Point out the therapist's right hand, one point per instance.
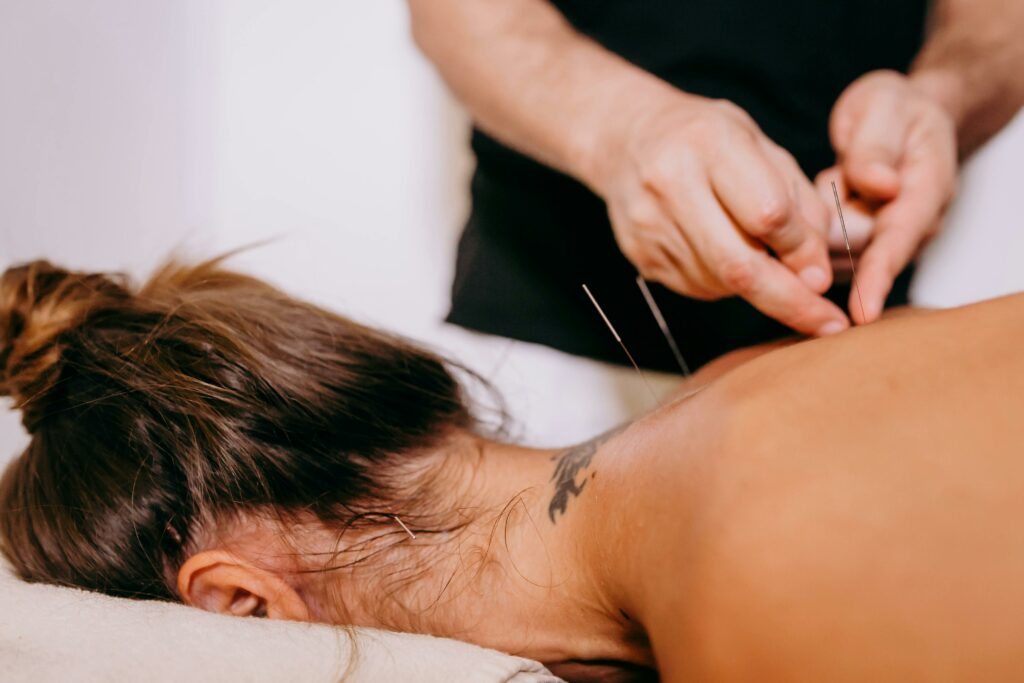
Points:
(698, 194)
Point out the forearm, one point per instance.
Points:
(696, 193)
(530, 80)
(972, 64)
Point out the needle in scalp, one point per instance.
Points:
(402, 524)
(656, 312)
(621, 343)
(849, 252)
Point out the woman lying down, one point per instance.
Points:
(842, 509)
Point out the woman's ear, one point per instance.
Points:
(217, 581)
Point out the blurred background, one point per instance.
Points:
(133, 129)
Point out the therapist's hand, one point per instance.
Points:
(897, 152)
(697, 194)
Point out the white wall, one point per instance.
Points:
(105, 156)
(104, 138)
(131, 127)
(980, 253)
(335, 136)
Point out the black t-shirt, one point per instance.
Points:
(535, 235)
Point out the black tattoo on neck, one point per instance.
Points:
(570, 463)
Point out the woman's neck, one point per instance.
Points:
(517, 578)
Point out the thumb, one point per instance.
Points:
(871, 159)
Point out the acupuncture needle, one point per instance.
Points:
(402, 524)
(849, 252)
(656, 312)
(621, 343)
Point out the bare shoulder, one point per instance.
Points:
(854, 511)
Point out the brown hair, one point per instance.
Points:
(199, 395)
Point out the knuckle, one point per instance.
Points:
(668, 172)
(738, 275)
(731, 110)
(659, 172)
(771, 216)
(641, 216)
(781, 157)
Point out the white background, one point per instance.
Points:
(130, 128)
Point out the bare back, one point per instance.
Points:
(843, 509)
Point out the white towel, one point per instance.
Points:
(61, 634)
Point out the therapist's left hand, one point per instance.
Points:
(896, 150)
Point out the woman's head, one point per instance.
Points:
(162, 416)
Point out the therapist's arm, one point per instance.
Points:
(973, 65)
(696, 192)
(899, 138)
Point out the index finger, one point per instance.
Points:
(745, 269)
(757, 194)
(871, 160)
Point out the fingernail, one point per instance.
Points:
(814, 277)
(831, 328)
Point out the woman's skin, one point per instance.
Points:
(847, 508)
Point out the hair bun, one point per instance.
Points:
(39, 304)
